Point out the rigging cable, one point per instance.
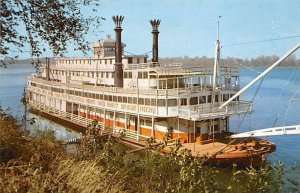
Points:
(257, 89)
(276, 101)
(292, 99)
(261, 41)
(279, 96)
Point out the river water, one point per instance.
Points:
(277, 103)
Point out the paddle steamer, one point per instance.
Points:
(143, 97)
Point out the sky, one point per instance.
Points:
(189, 27)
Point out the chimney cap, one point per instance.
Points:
(118, 19)
(155, 23)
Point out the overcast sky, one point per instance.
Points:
(188, 28)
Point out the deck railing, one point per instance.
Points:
(83, 121)
(198, 112)
(122, 91)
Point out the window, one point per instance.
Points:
(129, 99)
(141, 101)
(161, 102)
(194, 101)
(172, 102)
(145, 75)
(147, 102)
(153, 102)
(120, 100)
(115, 98)
(145, 60)
(137, 60)
(140, 75)
(216, 98)
(124, 99)
(129, 74)
(225, 97)
(125, 74)
(183, 101)
(202, 99)
(107, 75)
(130, 60)
(134, 100)
(209, 99)
(110, 98)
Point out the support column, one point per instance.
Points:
(104, 119)
(114, 126)
(72, 110)
(125, 120)
(138, 127)
(194, 136)
(178, 127)
(152, 132)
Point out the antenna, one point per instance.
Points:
(218, 28)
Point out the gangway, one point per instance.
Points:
(284, 130)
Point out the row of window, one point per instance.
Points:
(99, 61)
(86, 74)
(86, 61)
(141, 75)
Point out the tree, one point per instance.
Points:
(54, 22)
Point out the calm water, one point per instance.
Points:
(12, 83)
(271, 103)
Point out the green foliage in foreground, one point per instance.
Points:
(102, 164)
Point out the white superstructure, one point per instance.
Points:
(154, 99)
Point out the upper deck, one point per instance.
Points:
(173, 90)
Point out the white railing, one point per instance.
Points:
(62, 114)
(122, 91)
(122, 132)
(198, 112)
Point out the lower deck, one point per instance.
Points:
(138, 126)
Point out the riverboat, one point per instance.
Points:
(145, 98)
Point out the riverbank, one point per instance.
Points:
(102, 164)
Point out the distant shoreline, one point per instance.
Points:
(261, 61)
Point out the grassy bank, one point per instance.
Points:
(102, 164)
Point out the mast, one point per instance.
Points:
(260, 76)
(216, 72)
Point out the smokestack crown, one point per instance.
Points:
(155, 23)
(118, 19)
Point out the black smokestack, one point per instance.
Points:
(155, 23)
(118, 77)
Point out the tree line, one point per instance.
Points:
(260, 61)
